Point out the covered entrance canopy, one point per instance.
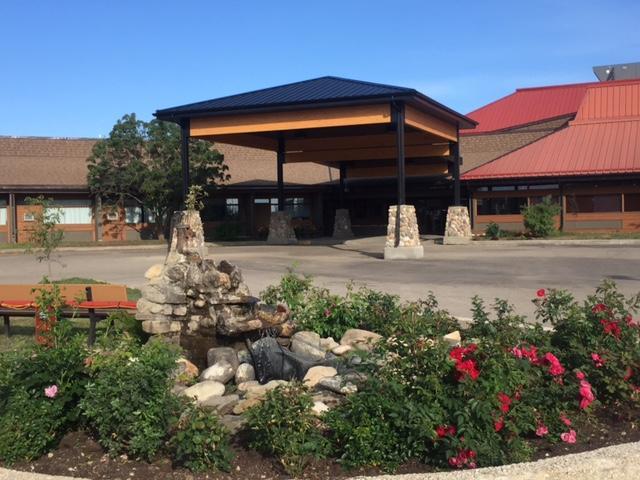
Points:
(364, 129)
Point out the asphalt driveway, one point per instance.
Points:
(453, 273)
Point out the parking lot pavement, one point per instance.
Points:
(453, 273)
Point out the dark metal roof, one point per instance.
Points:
(323, 90)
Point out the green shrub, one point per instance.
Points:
(31, 422)
(284, 425)
(291, 290)
(129, 404)
(380, 426)
(493, 231)
(121, 322)
(599, 338)
(539, 219)
(200, 442)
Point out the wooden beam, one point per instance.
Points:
(245, 140)
(291, 120)
(428, 123)
(423, 170)
(357, 154)
(358, 141)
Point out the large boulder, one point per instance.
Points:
(220, 372)
(360, 339)
(337, 384)
(204, 391)
(245, 373)
(221, 405)
(307, 344)
(223, 354)
(315, 374)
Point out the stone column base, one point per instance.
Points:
(342, 225)
(401, 253)
(409, 245)
(280, 229)
(458, 228)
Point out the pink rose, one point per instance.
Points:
(568, 437)
(51, 391)
(542, 430)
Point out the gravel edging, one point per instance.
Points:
(619, 462)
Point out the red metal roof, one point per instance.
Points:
(531, 105)
(603, 139)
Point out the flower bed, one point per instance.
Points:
(510, 391)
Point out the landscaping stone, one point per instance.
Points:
(205, 390)
(220, 372)
(315, 374)
(307, 344)
(245, 373)
(360, 339)
(319, 408)
(221, 405)
(154, 271)
(453, 338)
(246, 386)
(246, 404)
(328, 343)
(337, 384)
(186, 370)
(233, 423)
(259, 391)
(223, 354)
(244, 357)
(329, 398)
(341, 349)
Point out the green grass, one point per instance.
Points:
(22, 328)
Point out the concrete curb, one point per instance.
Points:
(588, 242)
(16, 475)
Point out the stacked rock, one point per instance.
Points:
(458, 227)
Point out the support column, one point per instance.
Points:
(342, 221)
(280, 160)
(280, 228)
(403, 237)
(185, 125)
(458, 228)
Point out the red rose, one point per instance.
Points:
(541, 293)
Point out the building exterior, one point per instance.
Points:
(586, 157)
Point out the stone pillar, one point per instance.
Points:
(458, 229)
(409, 245)
(342, 225)
(280, 229)
(187, 236)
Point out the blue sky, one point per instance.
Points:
(71, 68)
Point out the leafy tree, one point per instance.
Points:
(44, 235)
(140, 161)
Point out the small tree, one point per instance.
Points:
(539, 219)
(44, 236)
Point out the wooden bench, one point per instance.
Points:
(98, 300)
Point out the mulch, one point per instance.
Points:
(80, 456)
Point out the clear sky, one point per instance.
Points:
(71, 68)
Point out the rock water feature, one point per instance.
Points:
(231, 338)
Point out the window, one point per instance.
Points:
(74, 211)
(3, 212)
(594, 203)
(544, 187)
(298, 207)
(501, 205)
(503, 189)
(632, 202)
(132, 214)
(232, 208)
(539, 198)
